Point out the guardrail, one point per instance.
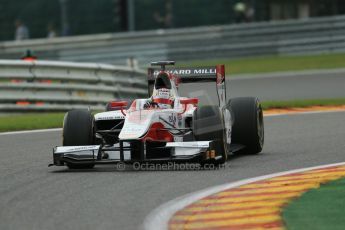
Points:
(60, 86)
(314, 35)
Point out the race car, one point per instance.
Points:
(165, 126)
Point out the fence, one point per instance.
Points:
(60, 86)
(308, 36)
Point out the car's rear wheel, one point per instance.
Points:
(78, 131)
(248, 128)
(208, 125)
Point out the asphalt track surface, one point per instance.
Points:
(273, 88)
(276, 87)
(33, 196)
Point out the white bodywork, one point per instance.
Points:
(138, 120)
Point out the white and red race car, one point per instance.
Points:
(164, 127)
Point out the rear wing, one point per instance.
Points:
(187, 74)
(193, 75)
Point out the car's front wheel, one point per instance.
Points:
(78, 131)
(208, 125)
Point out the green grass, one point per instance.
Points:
(302, 103)
(276, 63)
(318, 209)
(31, 121)
(54, 120)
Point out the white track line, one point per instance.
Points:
(158, 219)
(31, 131)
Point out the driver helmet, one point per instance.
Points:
(163, 93)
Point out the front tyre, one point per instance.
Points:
(208, 125)
(248, 128)
(78, 131)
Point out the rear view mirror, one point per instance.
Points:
(188, 101)
(193, 101)
(114, 104)
(117, 104)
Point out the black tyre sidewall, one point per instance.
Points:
(78, 131)
(247, 116)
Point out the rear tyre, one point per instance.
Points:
(248, 128)
(208, 125)
(78, 131)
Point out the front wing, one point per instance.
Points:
(123, 152)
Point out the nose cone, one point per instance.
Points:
(136, 125)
